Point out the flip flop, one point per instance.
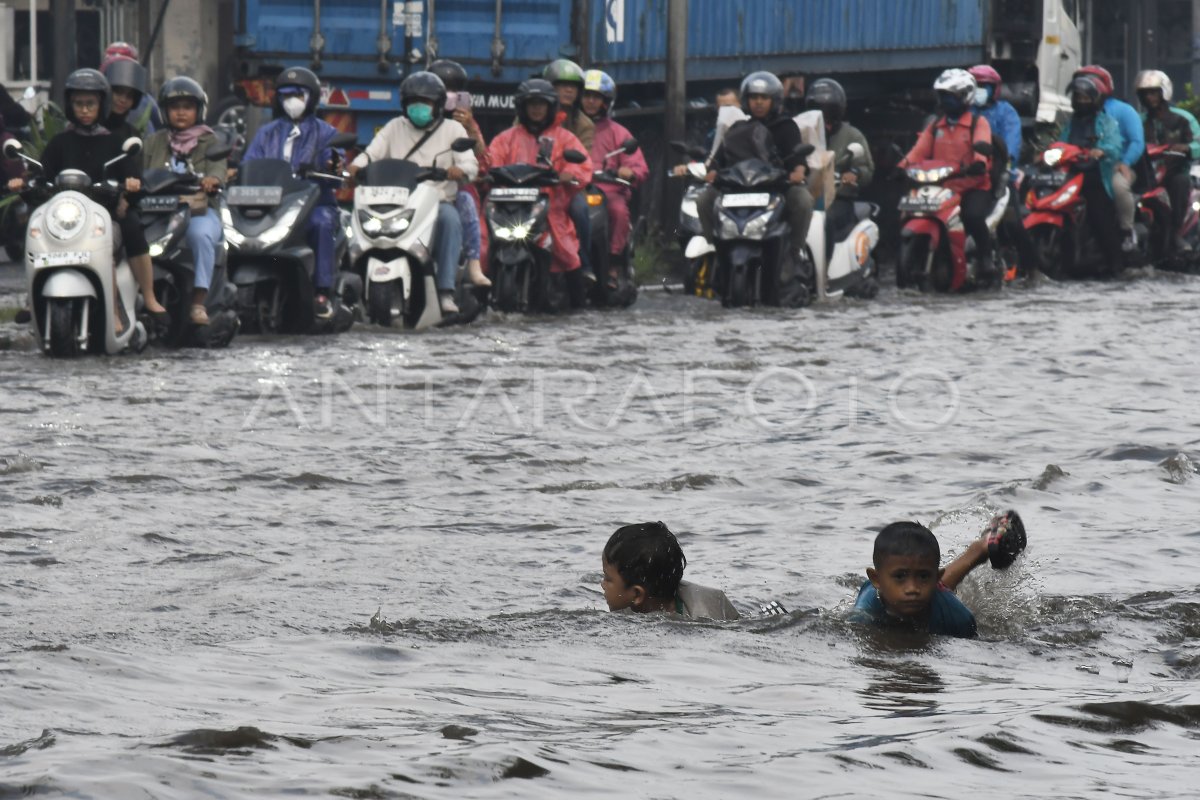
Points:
(1005, 539)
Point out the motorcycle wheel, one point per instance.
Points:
(1049, 242)
(380, 299)
(913, 267)
(507, 288)
(15, 250)
(740, 287)
(63, 321)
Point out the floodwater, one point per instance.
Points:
(367, 566)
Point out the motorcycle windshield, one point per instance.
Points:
(751, 174)
(523, 175)
(390, 172)
(159, 179)
(270, 172)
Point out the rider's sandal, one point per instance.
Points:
(1005, 539)
(199, 314)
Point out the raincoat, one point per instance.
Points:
(610, 136)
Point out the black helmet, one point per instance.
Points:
(762, 83)
(827, 96)
(536, 89)
(301, 78)
(86, 80)
(183, 87)
(127, 74)
(453, 76)
(1084, 87)
(424, 86)
(564, 70)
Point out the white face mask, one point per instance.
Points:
(294, 106)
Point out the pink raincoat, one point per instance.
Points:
(610, 136)
(518, 146)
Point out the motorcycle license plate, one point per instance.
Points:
(755, 200)
(511, 193)
(254, 195)
(62, 259)
(1051, 179)
(381, 195)
(916, 203)
(159, 205)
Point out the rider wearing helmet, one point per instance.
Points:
(567, 78)
(123, 51)
(298, 137)
(599, 94)
(538, 120)
(952, 137)
(827, 96)
(1006, 124)
(423, 135)
(1091, 128)
(183, 147)
(1133, 146)
(770, 135)
(87, 145)
(127, 79)
(1162, 125)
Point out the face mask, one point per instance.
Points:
(419, 114)
(294, 106)
(981, 97)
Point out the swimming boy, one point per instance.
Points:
(906, 587)
(643, 571)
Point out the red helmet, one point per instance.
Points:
(1103, 77)
(982, 74)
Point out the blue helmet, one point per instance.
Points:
(602, 84)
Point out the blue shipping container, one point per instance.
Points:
(728, 39)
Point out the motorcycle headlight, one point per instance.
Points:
(688, 207)
(385, 226)
(757, 227)
(1052, 156)
(1065, 197)
(515, 233)
(65, 219)
(279, 231)
(232, 234)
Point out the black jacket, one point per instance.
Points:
(773, 141)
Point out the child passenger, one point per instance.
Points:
(643, 571)
(907, 588)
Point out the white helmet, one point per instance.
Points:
(1155, 79)
(957, 82)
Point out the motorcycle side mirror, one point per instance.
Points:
(856, 150)
(131, 146)
(344, 140)
(574, 157)
(463, 145)
(983, 148)
(630, 146)
(803, 150)
(12, 149)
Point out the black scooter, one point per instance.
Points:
(271, 262)
(624, 293)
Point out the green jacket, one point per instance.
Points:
(839, 143)
(156, 154)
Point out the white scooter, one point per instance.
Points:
(70, 247)
(395, 213)
(849, 266)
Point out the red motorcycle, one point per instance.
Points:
(1058, 213)
(935, 251)
(1154, 210)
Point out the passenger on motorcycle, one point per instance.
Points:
(827, 96)
(770, 136)
(423, 135)
(182, 147)
(1091, 128)
(952, 137)
(143, 107)
(599, 94)
(86, 145)
(298, 137)
(567, 78)
(127, 79)
(454, 78)
(1006, 124)
(1133, 147)
(1162, 125)
(537, 119)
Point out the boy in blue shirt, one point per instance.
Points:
(906, 588)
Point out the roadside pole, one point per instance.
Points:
(676, 101)
(63, 14)
(1196, 46)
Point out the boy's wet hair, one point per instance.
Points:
(906, 539)
(647, 555)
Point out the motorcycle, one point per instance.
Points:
(166, 214)
(1154, 213)
(624, 293)
(1057, 218)
(70, 250)
(751, 231)
(519, 255)
(271, 263)
(843, 260)
(395, 213)
(936, 254)
(698, 253)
